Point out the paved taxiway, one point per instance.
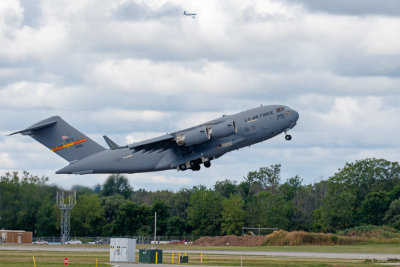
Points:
(320, 255)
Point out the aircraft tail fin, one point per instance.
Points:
(110, 142)
(62, 138)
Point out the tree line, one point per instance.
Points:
(364, 192)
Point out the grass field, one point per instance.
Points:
(86, 259)
(51, 258)
(368, 248)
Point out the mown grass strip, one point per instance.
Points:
(369, 248)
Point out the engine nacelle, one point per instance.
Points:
(223, 129)
(194, 137)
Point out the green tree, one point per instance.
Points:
(265, 179)
(163, 214)
(244, 190)
(225, 188)
(21, 196)
(204, 213)
(395, 193)
(82, 190)
(111, 205)
(365, 176)
(290, 187)
(176, 226)
(232, 215)
(267, 210)
(392, 216)
(117, 184)
(180, 203)
(87, 217)
(295, 214)
(306, 200)
(348, 188)
(373, 208)
(47, 221)
(133, 219)
(337, 211)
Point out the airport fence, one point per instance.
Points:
(105, 239)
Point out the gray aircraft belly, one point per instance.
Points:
(123, 161)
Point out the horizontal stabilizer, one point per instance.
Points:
(28, 131)
(110, 142)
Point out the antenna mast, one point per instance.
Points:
(65, 214)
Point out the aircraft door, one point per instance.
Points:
(271, 128)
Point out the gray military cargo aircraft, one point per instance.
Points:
(182, 150)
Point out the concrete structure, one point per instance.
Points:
(15, 237)
(122, 250)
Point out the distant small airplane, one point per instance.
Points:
(189, 14)
(181, 150)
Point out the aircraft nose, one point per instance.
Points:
(295, 115)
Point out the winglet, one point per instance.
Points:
(110, 143)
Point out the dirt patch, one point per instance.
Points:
(277, 238)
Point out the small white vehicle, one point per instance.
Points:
(73, 242)
(40, 242)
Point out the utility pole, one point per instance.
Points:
(65, 214)
(155, 226)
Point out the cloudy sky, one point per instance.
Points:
(137, 69)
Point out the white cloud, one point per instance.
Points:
(143, 77)
(6, 161)
(126, 115)
(138, 69)
(383, 38)
(11, 14)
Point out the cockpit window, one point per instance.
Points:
(280, 109)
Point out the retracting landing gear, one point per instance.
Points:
(196, 168)
(182, 167)
(207, 164)
(194, 165)
(288, 137)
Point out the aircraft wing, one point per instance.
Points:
(208, 124)
(168, 140)
(153, 143)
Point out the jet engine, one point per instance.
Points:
(223, 129)
(194, 137)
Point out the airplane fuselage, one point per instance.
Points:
(170, 152)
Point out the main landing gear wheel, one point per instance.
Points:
(207, 164)
(193, 163)
(182, 167)
(196, 168)
(288, 137)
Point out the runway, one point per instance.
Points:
(321, 255)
